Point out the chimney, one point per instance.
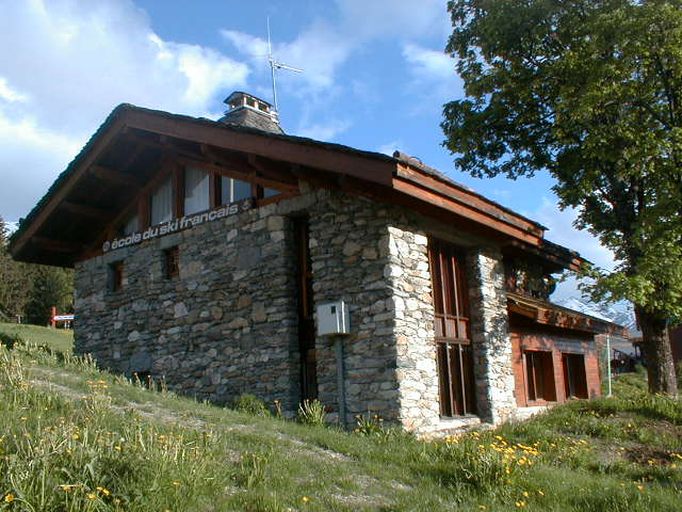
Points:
(244, 109)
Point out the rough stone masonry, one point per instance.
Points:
(227, 325)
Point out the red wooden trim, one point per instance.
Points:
(468, 198)
(427, 196)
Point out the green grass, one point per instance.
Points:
(75, 438)
(57, 339)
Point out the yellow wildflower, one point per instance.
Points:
(520, 504)
(176, 483)
(9, 498)
(305, 499)
(104, 490)
(91, 496)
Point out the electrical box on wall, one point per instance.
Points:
(333, 318)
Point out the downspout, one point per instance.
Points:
(340, 379)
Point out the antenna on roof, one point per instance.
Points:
(275, 65)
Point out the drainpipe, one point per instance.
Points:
(608, 360)
(340, 379)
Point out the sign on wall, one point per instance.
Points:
(175, 225)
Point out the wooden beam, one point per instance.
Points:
(429, 196)
(369, 167)
(113, 176)
(86, 210)
(470, 198)
(56, 245)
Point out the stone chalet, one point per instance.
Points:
(227, 257)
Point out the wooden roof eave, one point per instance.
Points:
(58, 193)
(284, 148)
(461, 208)
(546, 313)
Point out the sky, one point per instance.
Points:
(375, 77)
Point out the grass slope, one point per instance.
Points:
(57, 339)
(75, 438)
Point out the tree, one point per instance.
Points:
(51, 286)
(591, 92)
(14, 280)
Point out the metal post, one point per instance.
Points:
(608, 361)
(340, 379)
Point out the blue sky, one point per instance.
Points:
(375, 77)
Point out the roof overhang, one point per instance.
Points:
(101, 181)
(545, 313)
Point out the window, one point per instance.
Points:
(575, 379)
(539, 376)
(270, 192)
(131, 226)
(197, 187)
(115, 276)
(162, 203)
(451, 325)
(232, 190)
(171, 262)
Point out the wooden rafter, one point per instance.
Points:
(56, 245)
(114, 176)
(86, 210)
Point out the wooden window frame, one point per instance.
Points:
(454, 353)
(540, 384)
(575, 375)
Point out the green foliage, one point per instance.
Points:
(312, 412)
(588, 90)
(15, 281)
(75, 438)
(60, 340)
(251, 404)
(51, 286)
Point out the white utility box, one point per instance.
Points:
(333, 318)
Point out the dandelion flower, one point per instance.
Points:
(9, 498)
(92, 496)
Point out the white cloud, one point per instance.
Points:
(10, 95)
(326, 131)
(67, 63)
(428, 64)
(433, 77)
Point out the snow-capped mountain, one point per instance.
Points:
(620, 313)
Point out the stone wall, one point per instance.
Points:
(214, 332)
(493, 370)
(417, 372)
(349, 250)
(228, 324)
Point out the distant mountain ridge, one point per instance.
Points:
(620, 313)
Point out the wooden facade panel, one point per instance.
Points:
(523, 341)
